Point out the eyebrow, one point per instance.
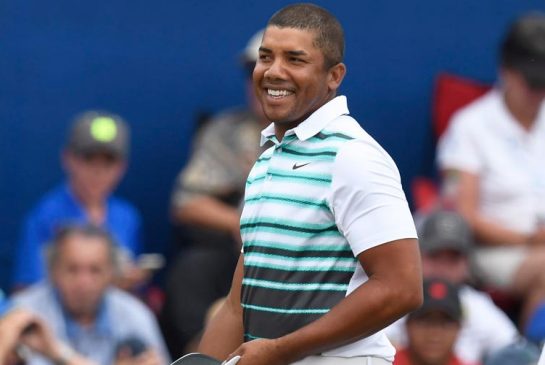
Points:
(291, 53)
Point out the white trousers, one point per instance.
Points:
(335, 360)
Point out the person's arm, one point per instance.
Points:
(225, 331)
(463, 188)
(209, 212)
(394, 288)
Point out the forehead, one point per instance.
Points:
(289, 39)
(77, 247)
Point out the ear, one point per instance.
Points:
(336, 75)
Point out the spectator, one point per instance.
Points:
(101, 322)
(94, 159)
(445, 240)
(206, 202)
(432, 330)
(491, 157)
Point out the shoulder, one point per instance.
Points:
(52, 203)
(124, 207)
(33, 297)
(125, 306)
(475, 115)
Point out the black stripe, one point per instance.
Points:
(323, 153)
(321, 135)
(345, 253)
(332, 228)
(310, 277)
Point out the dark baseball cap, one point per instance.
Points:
(523, 49)
(444, 229)
(99, 132)
(440, 295)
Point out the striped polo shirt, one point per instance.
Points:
(313, 202)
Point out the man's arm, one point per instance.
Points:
(225, 331)
(464, 187)
(394, 288)
(207, 211)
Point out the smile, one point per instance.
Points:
(279, 93)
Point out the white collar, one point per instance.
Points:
(314, 123)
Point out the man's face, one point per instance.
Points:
(93, 176)
(432, 337)
(290, 78)
(448, 264)
(82, 272)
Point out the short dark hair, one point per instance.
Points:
(523, 48)
(329, 32)
(86, 230)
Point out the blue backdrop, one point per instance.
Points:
(160, 63)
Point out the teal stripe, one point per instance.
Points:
(252, 337)
(295, 286)
(311, 151)
(284, 311)
(299, 268)
(284, 231)
(297, 248)
(300, 175)
(290, 199)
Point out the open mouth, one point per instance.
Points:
(279, 93)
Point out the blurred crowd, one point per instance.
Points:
(83, 290)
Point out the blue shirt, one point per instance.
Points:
(59, 207)
(119, 317)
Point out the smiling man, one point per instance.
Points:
(330, 255)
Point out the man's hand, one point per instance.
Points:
(262, 352)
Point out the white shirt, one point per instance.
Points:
(484, 139)
(485, 327)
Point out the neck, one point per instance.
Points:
(94, 208)
(525, 112)
(417, 360)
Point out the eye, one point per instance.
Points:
(264, 57)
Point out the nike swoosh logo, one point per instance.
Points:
(296, 166)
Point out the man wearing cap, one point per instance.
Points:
(205, 204)
(432, 330)
(445, 240)
(94, 160)
(492, 158)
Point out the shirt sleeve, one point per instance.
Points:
(458, 148)
(28, 266)
(367, 199)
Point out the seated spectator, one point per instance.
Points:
(205, 201)
(94, 159)
(445, 240)
(432, 330)
(491, 158)
(78, 302)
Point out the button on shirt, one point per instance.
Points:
(59, 207)
(484, 139)
(313, 202)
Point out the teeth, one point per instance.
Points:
(278, 93)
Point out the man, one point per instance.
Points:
(206, 205)
(96, 320)
(94, 159)
(445, 241)
(492, 157)
(432, 330)
(329, 249)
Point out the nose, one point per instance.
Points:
(275, 71)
